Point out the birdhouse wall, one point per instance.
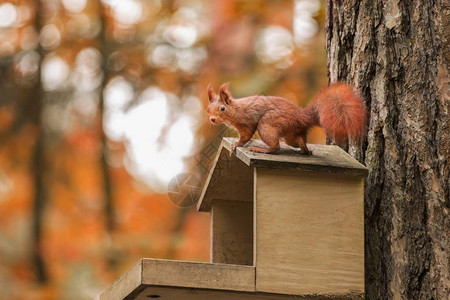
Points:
(232, 232)
(229, 179)
(309, 234)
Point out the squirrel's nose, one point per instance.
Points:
(212, 119)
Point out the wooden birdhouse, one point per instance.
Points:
(282, 225)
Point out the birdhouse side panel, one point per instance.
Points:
(309, 234)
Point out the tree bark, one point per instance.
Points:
(397, 53)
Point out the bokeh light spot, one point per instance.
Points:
(50, 36)
(74, 6)
(55, 72)
(87, 74)
(181, 36)
(274, 44)
(127, 12)
(28, 63)
(8, 14)
(118, 93)
(305, 26)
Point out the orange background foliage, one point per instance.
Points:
(51, 95)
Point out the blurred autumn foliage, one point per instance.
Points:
(102, 104)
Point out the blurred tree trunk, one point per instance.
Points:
(397, 54)
(40, 198)
(106, 176)
(39, 165)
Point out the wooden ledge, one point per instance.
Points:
(143, 278)
(174, 280)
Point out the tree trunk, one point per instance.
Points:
(397, 53)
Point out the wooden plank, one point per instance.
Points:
(198, 275)
(174, 280)
(125, 285)
(165, 293)
(176, 274)
(229, 179)
(325, 158)
(309, 232)
(232, 232)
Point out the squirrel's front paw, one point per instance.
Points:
(233, 147)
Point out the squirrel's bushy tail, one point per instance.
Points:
(341, 112)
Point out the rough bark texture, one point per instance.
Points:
(397, 53)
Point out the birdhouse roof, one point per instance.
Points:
(231, 177)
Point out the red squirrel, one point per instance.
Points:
(338, 109)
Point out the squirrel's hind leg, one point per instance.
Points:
(269, 136)
(301, 140)
(298, 141)
(291, 140)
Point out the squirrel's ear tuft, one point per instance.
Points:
(211, 94)
(225, 94)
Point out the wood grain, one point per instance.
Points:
(229, 179)
(232, 232)
(309, 232)
(160, 272)
(174, 280)
(198, 275)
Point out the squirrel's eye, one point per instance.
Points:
(222, 108)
